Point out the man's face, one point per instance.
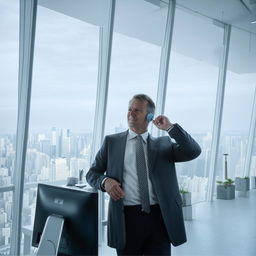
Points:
(136, 115)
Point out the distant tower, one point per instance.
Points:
(53, 143)
(65, 143)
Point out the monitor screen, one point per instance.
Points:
(79, 208)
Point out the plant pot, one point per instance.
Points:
(187, 212)
(226, 192)
(253, 182)
(186, 198)
(242, 184)
(186, 205)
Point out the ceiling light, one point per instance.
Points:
(253, 18)
(253, 14)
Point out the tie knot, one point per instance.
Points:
(139, 138)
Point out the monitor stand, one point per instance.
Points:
(50, 239)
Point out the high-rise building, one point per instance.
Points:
(62, 171)
(65, 143)
(53, 143)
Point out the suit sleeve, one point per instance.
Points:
(95, 175)
(185, 147)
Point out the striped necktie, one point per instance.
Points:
(142, 175)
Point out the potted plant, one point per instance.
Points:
(186, 204)
(253, 181)
(242, 185)
(226, 189)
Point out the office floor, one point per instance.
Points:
(220, 228)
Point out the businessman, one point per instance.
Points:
(138, 172)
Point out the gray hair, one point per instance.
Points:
(150, 106)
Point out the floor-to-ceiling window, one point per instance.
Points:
(9, 52)
(238, 103)
(191, 91)
(62, 105)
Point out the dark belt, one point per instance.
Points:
(136, 208)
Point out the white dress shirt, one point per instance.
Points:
(130, 177)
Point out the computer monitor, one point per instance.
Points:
(79, 210)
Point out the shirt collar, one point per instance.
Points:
(132, 135)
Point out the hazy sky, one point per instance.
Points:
(65, 78)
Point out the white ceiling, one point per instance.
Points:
(146, 20)
(238, 13)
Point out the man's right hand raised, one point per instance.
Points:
(113, 188)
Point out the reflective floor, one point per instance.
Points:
(220, 228)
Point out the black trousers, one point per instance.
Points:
(145, 233)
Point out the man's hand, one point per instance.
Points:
(113, 188)
(162, 122)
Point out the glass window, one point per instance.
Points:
(62, 105)
(135, 61)
(134, 69)
(191, 92)
(238, 103)
(9, 53)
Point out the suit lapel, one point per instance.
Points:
(152, 153)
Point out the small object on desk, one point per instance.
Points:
(72, 181)
(82, 185)
(81, 175)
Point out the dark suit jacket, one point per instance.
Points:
(162, 155)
